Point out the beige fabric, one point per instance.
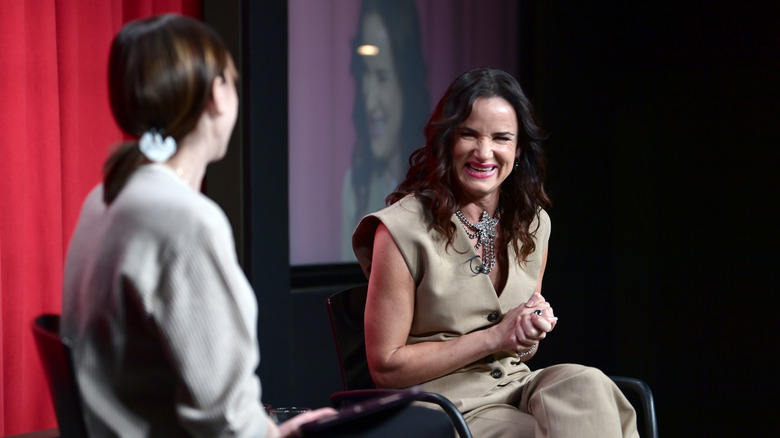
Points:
(451, 300)
(564, 400)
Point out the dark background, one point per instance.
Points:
(662, 123)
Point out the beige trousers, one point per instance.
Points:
(560, 401)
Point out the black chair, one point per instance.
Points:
(55, 354)
(346, 309)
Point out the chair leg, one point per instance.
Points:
(639, 390)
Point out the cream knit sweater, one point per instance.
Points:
(161, 316)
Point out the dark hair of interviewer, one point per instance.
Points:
(160, 73)
(431, 177)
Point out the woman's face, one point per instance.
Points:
(485, 147)
(381, 91)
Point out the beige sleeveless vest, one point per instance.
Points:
(451, 299)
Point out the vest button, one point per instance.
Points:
(492, 316)
(497, 374)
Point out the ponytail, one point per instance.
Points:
(125, 159)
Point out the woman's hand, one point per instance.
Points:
(536, 320)
(292, 427)
(525, 325)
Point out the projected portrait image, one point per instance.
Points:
(391, 105)
(362, 76)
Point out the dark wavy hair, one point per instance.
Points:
(160, 73)
(402, 23)
(431, 177)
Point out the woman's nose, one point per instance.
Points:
(484, 149)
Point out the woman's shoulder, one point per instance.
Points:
(407, 222)
(541, 225)
(404, 219)
(405, 208)
(408, 215)
(156, 199)
(544, 217)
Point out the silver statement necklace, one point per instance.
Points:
(485, 233)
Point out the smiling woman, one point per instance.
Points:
(436, 319)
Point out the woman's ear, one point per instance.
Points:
(219, 88)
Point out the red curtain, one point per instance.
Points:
(56, 130)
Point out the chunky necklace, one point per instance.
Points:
(485, 232)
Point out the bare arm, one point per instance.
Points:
(538, 288)
(389, 313)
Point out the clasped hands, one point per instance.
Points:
(527, 324)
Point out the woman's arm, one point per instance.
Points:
(389, 313)
(538, 288)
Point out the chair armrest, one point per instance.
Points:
(345, 398)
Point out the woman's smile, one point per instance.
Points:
(478, 170)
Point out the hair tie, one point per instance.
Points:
(155, 148)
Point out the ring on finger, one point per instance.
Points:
(537, 312)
